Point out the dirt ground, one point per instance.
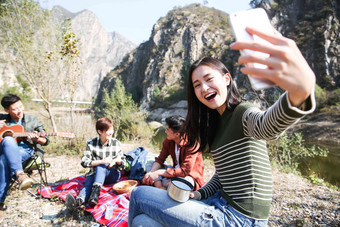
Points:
(296, 202)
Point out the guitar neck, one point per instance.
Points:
(59, 134)
(25, 134)
(18, 131)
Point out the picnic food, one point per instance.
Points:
(125, 186)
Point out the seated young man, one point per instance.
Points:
(104, 157)
(12, 154)
(187, 162)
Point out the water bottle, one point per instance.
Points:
(109, 212)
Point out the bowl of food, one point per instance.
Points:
(125, 186)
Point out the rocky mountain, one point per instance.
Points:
(314, 25)
(7, 74)
(100, 51)
(155, 72)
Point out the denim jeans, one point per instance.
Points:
(11, 158)
(150, 206)
(103, 175)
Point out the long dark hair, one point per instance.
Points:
(201, 122)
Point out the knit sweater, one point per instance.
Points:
(243, 173)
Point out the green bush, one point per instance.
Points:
(157, 96)
(334, 97)
(320, 96)
(287, 153)
(129, 120)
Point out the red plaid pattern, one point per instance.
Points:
(107, 197)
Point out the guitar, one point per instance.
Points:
(19, 131)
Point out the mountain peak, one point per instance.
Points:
(155, 72)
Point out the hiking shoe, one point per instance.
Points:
(24, 181)
(79, 202)
(94, 195)
(70, 201)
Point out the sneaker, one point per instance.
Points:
(24, 181)
(70, 201)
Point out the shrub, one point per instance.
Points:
(288, 153)
(320, 96)
(129, 120)
(334, 97)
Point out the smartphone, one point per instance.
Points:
(256, 18)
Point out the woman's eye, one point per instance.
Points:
(210, 78)
(196, 85)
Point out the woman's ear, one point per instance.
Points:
(228, 78)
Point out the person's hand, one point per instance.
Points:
(195, 195)
(117, 161)
(146, 176)
(150, 177)
(287, 68)
(2, 123)
(34, 136)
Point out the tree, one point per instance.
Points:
(43, 54)
(129, 121)
(71, 59)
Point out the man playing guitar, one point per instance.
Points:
(13, 153)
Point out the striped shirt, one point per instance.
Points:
(243, 172)
(96, 151)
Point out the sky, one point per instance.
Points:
(134, 19)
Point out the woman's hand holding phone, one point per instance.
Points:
(286, 67)
(252, 18)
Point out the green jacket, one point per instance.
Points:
(30, 124)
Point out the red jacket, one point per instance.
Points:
(190, 164)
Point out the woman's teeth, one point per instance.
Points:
(210, 96)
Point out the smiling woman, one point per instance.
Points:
(207, 83)
(235, 132)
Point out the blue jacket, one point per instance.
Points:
(137, 159)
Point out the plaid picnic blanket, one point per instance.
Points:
(107, 197)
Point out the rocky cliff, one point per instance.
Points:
(155, 72)
(314, 25)
(100, 51)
